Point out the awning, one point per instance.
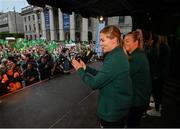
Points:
(147, 13)
(108, 8)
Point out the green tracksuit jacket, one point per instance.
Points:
(114, 84)
(140, 75)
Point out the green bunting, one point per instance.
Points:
(22, 45)
(3, 42)
(51, 46)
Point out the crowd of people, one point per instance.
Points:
(19, 68)
(134, 69)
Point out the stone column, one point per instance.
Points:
(72, 27)
(94, 25)
(52, 27)
(36, 25)
(43, 27)
(61, 29)
(84, 29)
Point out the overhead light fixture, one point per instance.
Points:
(101, 18)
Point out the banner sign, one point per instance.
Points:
(47, 20)
(66, 21)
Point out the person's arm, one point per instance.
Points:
(88, 69)
(32, 79)
(135, 65)
(91, 70)
(102, 78)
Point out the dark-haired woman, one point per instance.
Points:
(140, 76)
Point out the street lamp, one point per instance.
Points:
(101, 19)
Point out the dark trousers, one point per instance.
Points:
(66, 65)
(118, 124)
(157, 92)
(134, 116)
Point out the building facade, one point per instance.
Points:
(31, 23)
(123, 22)
(52, 24)
(11, 22)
